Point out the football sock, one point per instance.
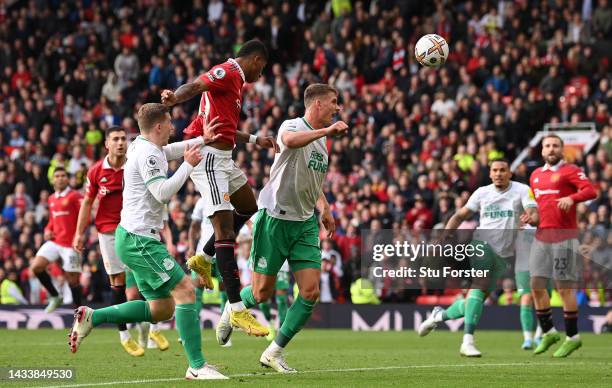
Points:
(265, 309)
(188, 325)
(571, 323)
(239, 221)
(77, 294)
(473, 310)
(281, 305)
(527, 320)
(246, 294)
(46, 282)
(128, 312)
(297, 316)
(118, 297)
(545, 319)
(228, 268)
(454, 311)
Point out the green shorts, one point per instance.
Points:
(491, 261)
(155, 271)
(276, 240)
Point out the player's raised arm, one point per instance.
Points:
(184, 92)
(161, 188)
(293, 139)
(263, 142)
(175, 150)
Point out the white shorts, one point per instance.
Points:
(216, 178)
(112, 263)
(71, 261)
(558, 260)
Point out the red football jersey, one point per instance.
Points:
(106, 183)
(552, 183)
(63, 214)
(223, 99)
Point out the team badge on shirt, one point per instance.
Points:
(151, 161)
(555, 177)
(219, 73)
(226, 197)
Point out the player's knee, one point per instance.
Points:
(226, 233)
(37, 267)
(311, 293)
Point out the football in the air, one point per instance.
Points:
(431, 50)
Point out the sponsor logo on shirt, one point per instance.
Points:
(494, 212)
(60, 213)
(103, 191)
(539, 192)
(317, 162)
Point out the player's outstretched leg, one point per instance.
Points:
(127, 342)
(85, 319)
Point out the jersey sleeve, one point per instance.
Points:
(474, 202)
(198, 211)
(583, 185)
(216, 79)
(527, 197)
(151, 166)
(91, 184)
(49, 227)
(287, 125)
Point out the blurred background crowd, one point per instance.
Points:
(419, 140)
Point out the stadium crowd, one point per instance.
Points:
(419, 140)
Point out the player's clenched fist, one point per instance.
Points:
(192, 155)
(336, 129)
(168, 98)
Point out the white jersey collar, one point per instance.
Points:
(235, 63)
(556, 167)
(106, 164)
(62, 193)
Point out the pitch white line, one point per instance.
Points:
(339, 370)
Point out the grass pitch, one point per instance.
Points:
(323, 357)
